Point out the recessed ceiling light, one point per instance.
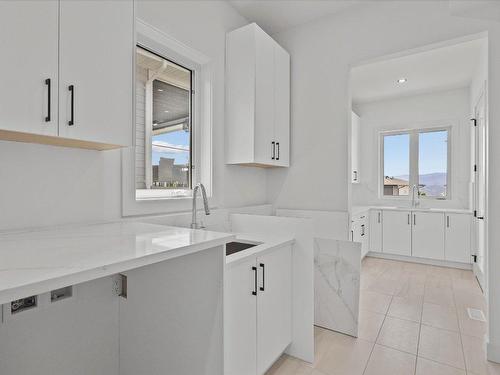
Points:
(166, 111)
(160, 90)
(402, 80)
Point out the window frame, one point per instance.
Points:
(192, 178)
(157, 41)
(414, 161)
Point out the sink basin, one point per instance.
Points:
(235, 247)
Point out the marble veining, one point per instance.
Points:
(337, 267)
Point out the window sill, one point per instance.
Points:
(158, 194)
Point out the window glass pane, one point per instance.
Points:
(163, 126)
(396, 164)
(433, 163)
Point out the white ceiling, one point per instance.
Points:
(277, 15)
(434, 70)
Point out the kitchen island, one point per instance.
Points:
(116, 298)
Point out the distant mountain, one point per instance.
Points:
(435, 183)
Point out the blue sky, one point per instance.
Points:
(178, 138)
(432, 153)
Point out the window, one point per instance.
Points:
(164, 132)
(397, 164)
(417, 157)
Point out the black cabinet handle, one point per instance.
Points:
(408, 219)
(447, 221)
(254, 292)
(273, 150)
(414, 219)
(47, 82)
(71, 89)
(278, 151)
(262, 288)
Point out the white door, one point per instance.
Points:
(274, 306)
(396, 232)
(240, 318)
(428, 235)
(265, 144)
(282, 105)
(28, 67)
(479, 221)
(458, 238)
(375, 229)
(96, 60)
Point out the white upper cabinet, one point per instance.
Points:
(428, 235)
(355, 125)
(257, 99)
(458, 238)
(80, 51)
(96, 49)
(28, 67)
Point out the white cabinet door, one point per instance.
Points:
(265, 151)
(282, 105)
(428, 235)
(96, 58)
(28, 40)
(458, 238)
(375, 229)
(396, 232)
(240, 319)
(274, 306)
(355, 123)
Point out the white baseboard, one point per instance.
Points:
(493, 352)
(410, 259)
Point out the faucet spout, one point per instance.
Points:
(415, 198)
(194, 223)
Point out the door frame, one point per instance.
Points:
(481, 275)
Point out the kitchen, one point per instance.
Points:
(109, 267)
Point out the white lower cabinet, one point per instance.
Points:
(428, 235)
(397, 232)
(375, 229)
(240, 319)
(257, 315)
(359, 232)
(458, 238)
(423, 234)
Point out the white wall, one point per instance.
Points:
(44, 185)
(322, 53)
(446, 108)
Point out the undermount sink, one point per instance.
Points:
(235, 247)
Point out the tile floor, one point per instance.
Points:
(413, 321)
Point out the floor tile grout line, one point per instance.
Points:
(420, 328)
(441, 363)
(378, 334)
(460, 333)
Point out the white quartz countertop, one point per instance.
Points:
(36, 262)
(263, 243)
(357, 210)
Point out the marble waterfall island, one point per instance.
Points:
(337, 267)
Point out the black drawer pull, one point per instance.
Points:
(71, 89)
(262, 288)
(254, 292)
(47, 82)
